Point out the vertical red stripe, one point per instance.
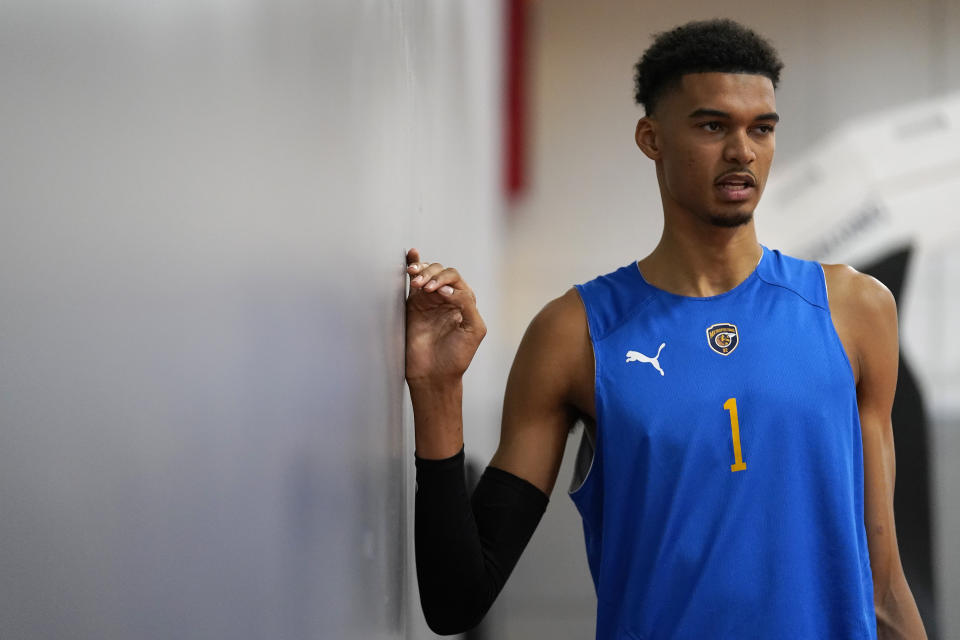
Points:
(514, 99)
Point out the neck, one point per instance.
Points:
(699, 259)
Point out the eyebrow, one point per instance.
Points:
(699, 113)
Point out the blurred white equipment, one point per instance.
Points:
(877, 184)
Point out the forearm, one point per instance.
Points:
(897, 615)
(449, 558)
(466, 549)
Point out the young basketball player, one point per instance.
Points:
(737, 469)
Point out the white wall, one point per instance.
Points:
(593, 203)
(206, 207)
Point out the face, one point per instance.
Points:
(713, 141)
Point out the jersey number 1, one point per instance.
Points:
(731, 406)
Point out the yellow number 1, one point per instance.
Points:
(731, 406)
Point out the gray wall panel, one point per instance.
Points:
(205, 211)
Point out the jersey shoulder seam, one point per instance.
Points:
(792, 290)
(626, 316)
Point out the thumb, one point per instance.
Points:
(466, 302)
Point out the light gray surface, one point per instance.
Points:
(945, 476)
(205, 211)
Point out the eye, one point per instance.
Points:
(712, 127)
(764, 129)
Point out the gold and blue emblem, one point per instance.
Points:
(723, 338)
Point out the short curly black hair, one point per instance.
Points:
(701, 46)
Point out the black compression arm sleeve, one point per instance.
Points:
(466, 549)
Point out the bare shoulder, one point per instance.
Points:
(857, 294)
(559, 338)
(864, 314)
(562, 317)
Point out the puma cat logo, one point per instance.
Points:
(636, 356)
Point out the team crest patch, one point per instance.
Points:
(723, 338)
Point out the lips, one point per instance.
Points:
(735, 187)
(737, 180)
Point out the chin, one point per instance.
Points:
(730, 220)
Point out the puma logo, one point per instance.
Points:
(636, 356)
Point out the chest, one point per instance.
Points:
(670, 370)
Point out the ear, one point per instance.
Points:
(646, 137)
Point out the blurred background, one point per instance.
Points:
(204, 429)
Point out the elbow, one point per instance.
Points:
(443, 627)
(449, 615)
(445, 622)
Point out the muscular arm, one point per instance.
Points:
(865, 315)
(550, 386)
(466, 548)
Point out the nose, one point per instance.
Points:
(738, 149)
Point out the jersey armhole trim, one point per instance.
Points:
(583, 464)
(833, 328)
(586, 442)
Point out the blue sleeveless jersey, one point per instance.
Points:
(724, 494)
